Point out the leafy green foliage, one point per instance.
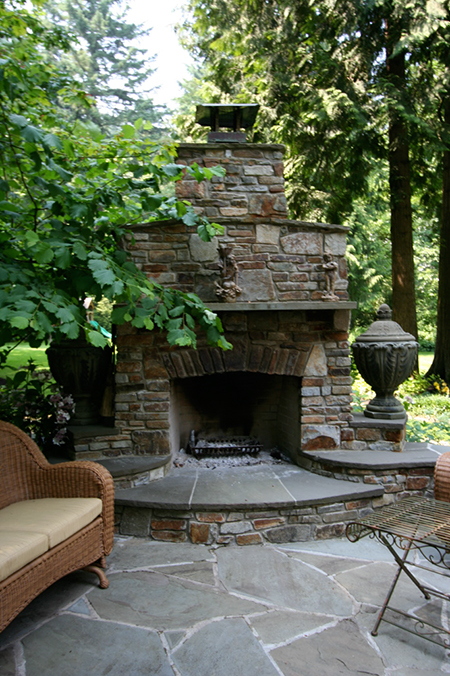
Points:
(428, 414)
(67, 200)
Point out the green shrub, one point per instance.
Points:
(32, 401)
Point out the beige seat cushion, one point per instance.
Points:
(57, 518)
(18, 549)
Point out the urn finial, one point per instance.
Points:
(385, 356)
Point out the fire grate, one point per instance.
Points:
(220, 446)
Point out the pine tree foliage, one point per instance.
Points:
(345, 84)
(106, 59)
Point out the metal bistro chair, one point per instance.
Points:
(414, 525)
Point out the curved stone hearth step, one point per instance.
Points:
(243, 505)
(135, 470)
(409, 470)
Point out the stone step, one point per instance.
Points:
(274, 503)
(243, 505)
(411, 470)
(134, 470)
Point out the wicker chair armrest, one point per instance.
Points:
(442, 478)
(80, 479)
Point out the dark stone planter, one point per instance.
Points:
(81, 370)
(385, 356)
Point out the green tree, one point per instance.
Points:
(105, 58)
(67, 201)
(340, 84)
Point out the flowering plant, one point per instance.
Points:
(32, 401)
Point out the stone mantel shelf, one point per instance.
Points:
(276, 306)
(302, 226)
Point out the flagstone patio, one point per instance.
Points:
(298, 609)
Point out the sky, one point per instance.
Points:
(171, 59)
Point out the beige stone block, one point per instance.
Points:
(335, 243)
(317, 362)
(203, 251)
(308, 243)
(256, 285)
(267, 234)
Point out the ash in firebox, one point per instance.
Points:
(273, 457)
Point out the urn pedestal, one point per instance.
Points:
(81, 370)
(385, 356)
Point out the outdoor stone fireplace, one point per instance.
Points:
(280, 288)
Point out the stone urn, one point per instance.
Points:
(82, 371)
(385, 356)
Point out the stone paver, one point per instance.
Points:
(298, 609)
(271, 576)
(239, 652)
(82, 647)
(341, 650)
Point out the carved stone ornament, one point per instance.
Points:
(330, 267)
(385, 356)
(227, 289)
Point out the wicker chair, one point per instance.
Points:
(25, 475)
(442, 478)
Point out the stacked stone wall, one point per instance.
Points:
(309, 344)
(276, 263)
(278, 259)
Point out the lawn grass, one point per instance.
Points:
(425, 361)
(21, 355)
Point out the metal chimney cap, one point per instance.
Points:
(233, 116)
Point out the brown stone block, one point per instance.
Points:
(135, 379)
(368, 434)
(211, 517)
(347, 435)
(255, 357)
(312, 382)
(293, 295)
(357, 504)
(206, 360)
(416, 483)
(154, 370)
(199, 533)
(251, 153)
(394, 435)
(150, 442)
(313, 419)
(268, 523)
(249, 539)
(278, 168)
(421, 471)
(157, 424)
(235, 359)
(165, 256)
(157, 406)
(168, 524)
(128, 366)
(169, 535)
(216, 355)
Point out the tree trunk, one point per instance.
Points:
(441, 362)
(403, 282)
